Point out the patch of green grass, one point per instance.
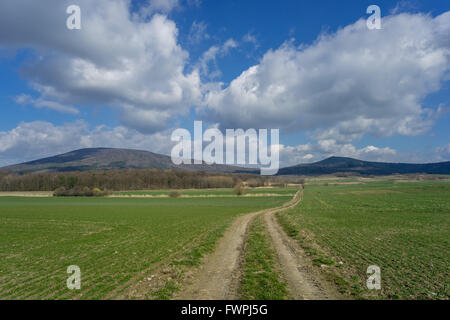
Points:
(187, 192)
(261, 279)
(192, 257)
(289, 191)
(166, 292)
(323, 260)
(404, 228)
(275, 190)
(112, 240)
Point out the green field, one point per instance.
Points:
(401, 227)
(290, 191)
(261, 278)
(120, 244)
(115, 241)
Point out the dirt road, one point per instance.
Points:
(304, 282)
(219, 275)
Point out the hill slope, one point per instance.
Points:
(115, 159)
(109, 159)
(349, 165)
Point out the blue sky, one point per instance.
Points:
(138, 70)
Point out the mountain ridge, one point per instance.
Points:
(336, 164)
(89, 159)
(115, 159)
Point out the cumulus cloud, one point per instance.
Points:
(33, 140)
(311, 152)
(353, 82)
(443, 152)
(116, 59)
(343, 86)
(25, 99)
(209, 58)
(38, 139)
(164, 6)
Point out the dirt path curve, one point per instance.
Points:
(304, 282)
(219, 275)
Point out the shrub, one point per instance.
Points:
(239, 189)
(174, 194)
(80, 192)
(302, 182)
(87, 192)
(59, 192)
(253, 183)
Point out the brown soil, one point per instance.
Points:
(219, 275)
(37, 194)
(304, 283)
(250, 195)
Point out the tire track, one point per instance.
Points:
(218, 277)
(304, 282)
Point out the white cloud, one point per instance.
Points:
(331, 147)
(38, 139)
(229, 44)
(163, 6)
(343, 86)
(307, 153)
(249, 37)
(353, 82)
(312, 152)
(197, 32)
(403, 6)
(34, 140)
(116, 59)
(41, 103)
(209, 57)
(443, 152)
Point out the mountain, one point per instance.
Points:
(110, 159)
(114, 159)
(349, 165)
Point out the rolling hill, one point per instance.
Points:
(110, 159)
(349, 165)
(116, 159)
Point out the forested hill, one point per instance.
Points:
(348, 165)
(98, 159)
(109, 159)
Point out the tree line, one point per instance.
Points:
(129, 179)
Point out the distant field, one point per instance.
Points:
(413, 178)
(290, 191)
(111, 240)
(403, 227)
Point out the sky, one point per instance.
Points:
(137, 70)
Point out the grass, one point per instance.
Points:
(401, 227)
(289, 191)
(115, 241)
(187, 192)
(261, 280)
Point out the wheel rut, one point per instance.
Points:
(219, 275)
(304, 282)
